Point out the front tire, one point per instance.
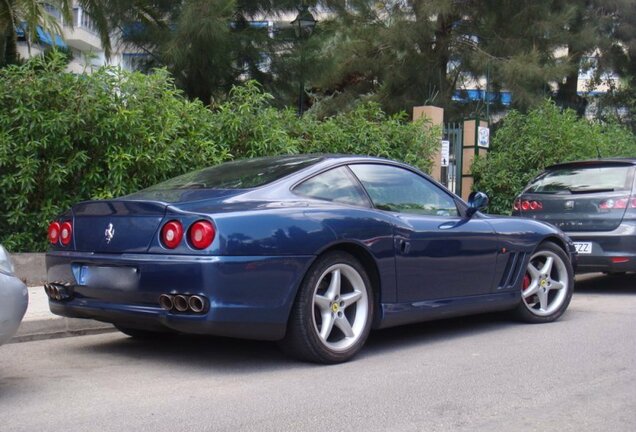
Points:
(547, 285)
(331, 318)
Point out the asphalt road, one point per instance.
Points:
(480, 373)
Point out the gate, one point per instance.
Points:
(451, 175)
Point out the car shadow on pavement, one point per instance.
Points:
(205, 352)
(248, 356)
(606, 284)
(431, 332)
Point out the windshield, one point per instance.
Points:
(242, 174)
(583, 180)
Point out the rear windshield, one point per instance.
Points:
(243, 174)
(583, 180)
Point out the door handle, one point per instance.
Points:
(405, 247)
(447, 225)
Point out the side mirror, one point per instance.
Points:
(476, 201)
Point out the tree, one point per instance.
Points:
(26, 15)
(209, 45)
(421, 51)
(29, 15)
(416, 52)
(619, 58)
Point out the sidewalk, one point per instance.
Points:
(40, 323)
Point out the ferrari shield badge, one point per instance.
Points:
(109, 233)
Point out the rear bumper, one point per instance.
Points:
(14, 298)
(612, 251)
(249, 297)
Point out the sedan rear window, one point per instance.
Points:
(242, 174)
(589, 179)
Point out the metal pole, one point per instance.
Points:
(301, 85)
(487, 98)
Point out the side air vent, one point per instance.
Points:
(513, 270)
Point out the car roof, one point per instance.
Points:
(594, 162)
(320, 157)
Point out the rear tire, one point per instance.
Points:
(547, 285)
(331, 318)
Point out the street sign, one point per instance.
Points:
(483, 138)
(445, 152)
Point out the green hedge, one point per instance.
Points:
(66, 138)
(526, 143)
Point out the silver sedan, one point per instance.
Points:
(14, 298)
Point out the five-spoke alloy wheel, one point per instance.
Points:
(332, 316)
(547, 285)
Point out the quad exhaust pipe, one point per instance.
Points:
(56, 292)
(183, 303)
(166, 302)
(196, 303)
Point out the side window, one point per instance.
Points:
(334, 185)
(400, 190)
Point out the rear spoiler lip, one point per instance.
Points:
(120, 207)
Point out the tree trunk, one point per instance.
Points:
(567, 95)
(443, 36)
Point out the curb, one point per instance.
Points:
(58, 327)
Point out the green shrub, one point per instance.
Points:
(525, 144)
(247, 125)
(65, 138)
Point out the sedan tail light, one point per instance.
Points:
(527, 205)
(171, 234)
(201, 234)
(617, 203)
(54, 232)
(66, 233)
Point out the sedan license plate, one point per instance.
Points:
(583, 247)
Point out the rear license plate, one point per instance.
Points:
(104, 277)
(583, 247)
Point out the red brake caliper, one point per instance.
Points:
(526, 282)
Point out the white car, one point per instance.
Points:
(14, 298)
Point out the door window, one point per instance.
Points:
(400, 190)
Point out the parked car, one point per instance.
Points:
(14, 298)
(594, 202)
(310, 250)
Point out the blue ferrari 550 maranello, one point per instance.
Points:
(311, 250)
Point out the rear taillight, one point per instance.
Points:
(54, 232)
(201, 234)
(66, 233)
(528, 205)
(617, 204)
(171, 234)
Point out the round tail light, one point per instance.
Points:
(66, 233)
(54, 232)
(201, 234)
(171, 234)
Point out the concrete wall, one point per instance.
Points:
(30, 267)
